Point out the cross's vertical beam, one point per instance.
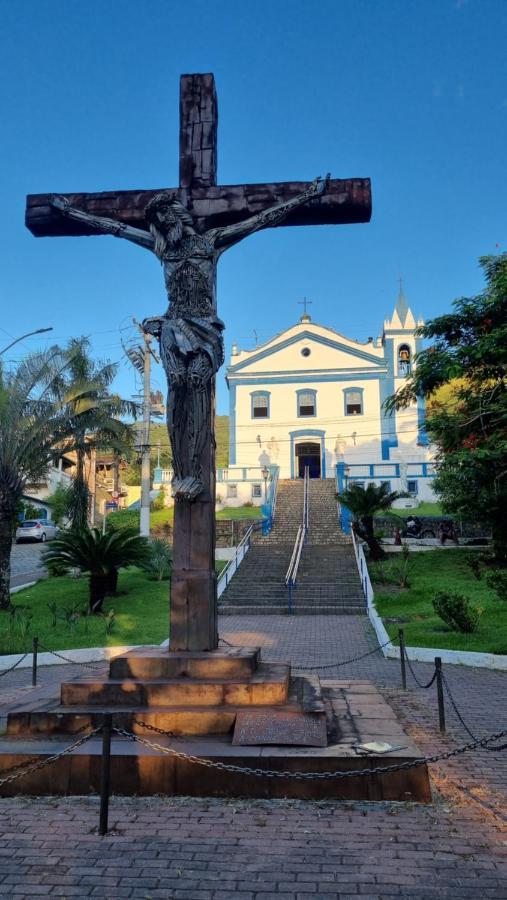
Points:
(198, 131)
(193, 611)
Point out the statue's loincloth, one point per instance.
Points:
(189, 336)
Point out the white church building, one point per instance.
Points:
(312, 397)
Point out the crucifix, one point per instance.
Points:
(188, 228)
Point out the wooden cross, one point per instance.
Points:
(193, 610)
(345, 200)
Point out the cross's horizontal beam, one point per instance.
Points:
(345, 201)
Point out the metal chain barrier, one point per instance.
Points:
(414, 676)
(307, 776)
(333, 665)
(30, 768)
(75, 662)
(460, 717)
(11, 669)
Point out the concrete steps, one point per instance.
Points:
(328, 581)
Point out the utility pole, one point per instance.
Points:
(140, 357)
(145, 452)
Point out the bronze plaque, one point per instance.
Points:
(296, 729)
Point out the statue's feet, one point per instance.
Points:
(187, 488)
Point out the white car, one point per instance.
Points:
(36, 530)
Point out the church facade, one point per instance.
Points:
(310, 397)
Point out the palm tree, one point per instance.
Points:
(98, 426)
(363, 505)
(36, 418)
(101, 555)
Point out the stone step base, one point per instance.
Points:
(154, 664)
(358, 714)
(282, 610)
(268, 685)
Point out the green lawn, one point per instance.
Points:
(441, 570)
(141, 614)
(424, 509)
(239, 512)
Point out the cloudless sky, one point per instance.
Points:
(412, 93)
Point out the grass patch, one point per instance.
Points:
(441, 570)
(141, 614)
(423, 509)
(162, 516)
(239, 512)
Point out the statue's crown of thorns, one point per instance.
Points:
(165, 201)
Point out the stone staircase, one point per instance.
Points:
(328, 581)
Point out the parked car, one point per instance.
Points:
(36, 530)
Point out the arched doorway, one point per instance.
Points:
(308, 454)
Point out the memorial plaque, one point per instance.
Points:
(279, 727)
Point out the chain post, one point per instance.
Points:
(35, 648)
(440, 693)
(401, 637)
(105, 775)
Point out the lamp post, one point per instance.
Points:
(265, 475)
(23, 336)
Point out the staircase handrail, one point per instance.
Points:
(306, 499)
(290, 571)
(233, 564)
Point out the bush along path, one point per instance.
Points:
(450, 573)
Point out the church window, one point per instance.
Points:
(307, 405)
(256, 490)
(232, 490)
(404, 364)
(260, 405)
(353, 401)
(305, 351)
(412, 487)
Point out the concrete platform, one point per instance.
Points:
(355, 712)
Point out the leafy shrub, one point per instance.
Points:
(248, 504)
(456, 611)
(159, 501)
(123, 519)
(497, 581)
(56, 569)
(474, 563)
(159, 561)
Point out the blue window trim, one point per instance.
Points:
(416, 483)
(253, 396)
(314, 394)
(355, 390)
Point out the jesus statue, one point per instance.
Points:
(189, 332)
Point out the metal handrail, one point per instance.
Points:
(292, 571)
(243, 546)
(274, 491)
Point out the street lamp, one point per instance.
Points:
(23, 336)
(265, 475)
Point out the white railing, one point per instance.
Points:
(362, 568)
(233, 564)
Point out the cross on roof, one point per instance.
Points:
(305, 302)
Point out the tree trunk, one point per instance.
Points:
(499, 534)
(112, 582)
(98, 590)
(7, 518)
(376, 551)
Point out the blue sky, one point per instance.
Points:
(411, 94)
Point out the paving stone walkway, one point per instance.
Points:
(191, 849)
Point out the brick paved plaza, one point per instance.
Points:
(181, 849)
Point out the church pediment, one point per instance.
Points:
(309, 350)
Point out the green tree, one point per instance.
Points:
(101, 555)
(364, 504)
(35, 420)
(98, 425)
(60, 502)
(470, 434)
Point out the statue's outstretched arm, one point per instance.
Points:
(268, 217)
(102, 224)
